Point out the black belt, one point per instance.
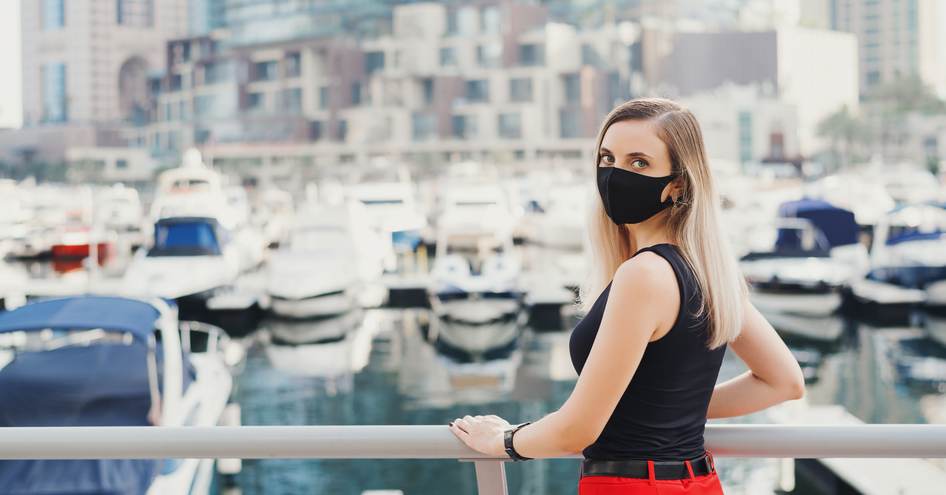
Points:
(663, 470)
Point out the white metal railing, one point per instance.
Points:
(437, 442)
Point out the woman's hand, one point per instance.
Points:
(482, 433)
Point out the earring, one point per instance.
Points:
(679, 203)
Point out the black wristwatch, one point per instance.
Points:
(507, 442)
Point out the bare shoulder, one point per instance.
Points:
(648, 271)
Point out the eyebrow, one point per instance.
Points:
(632, 154)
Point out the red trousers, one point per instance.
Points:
(707, 484)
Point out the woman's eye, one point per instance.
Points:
(607, 159)
(638, 164)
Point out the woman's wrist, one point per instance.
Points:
(498, 447)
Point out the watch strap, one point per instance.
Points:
(507, 443)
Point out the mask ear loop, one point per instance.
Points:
(679, 202)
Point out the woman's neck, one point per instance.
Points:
(649, 232)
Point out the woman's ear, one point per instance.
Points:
(674, 190)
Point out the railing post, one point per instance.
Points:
(490, 476)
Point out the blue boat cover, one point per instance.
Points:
(837, 225)
(115, 314)
(103, 384)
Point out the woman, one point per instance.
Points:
(669, 300)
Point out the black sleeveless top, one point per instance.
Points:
(662, 414)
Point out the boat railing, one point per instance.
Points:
(437, 442)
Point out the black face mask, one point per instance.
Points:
(630, 197)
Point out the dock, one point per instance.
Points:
(868, 476)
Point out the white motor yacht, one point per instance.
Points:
(331, 253)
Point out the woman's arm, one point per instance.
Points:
(773, 377)
(643, 299)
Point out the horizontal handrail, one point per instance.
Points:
(436, 442)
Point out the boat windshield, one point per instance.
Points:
(185, 239)
(917, 224)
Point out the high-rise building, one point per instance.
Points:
(85, 70)
(87, 61)
(897, 39)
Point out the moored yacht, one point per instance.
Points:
(109, 361)
(816, 252)
(331, 253)
(907, 263)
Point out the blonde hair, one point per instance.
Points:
(693, 224)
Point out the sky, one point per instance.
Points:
(11, 106)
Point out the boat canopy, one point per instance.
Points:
(106, 384)
(837, 225)
(115, 314)
(186, 236)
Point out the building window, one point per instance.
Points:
(293, 64)
(530, 54)
(589, 56)
(463, 126)
(121, 164)
(315, 130)
(204, 106)
(342, 129)
(356, 93)
(54, 14)
(617, 89)
(374, 61)
(423, 126)
(490, 20)
(520, 90)
(571, 87)
(452, 24)
(134, 13)
(255, 101)
(427, 86)
(175, 82)
(55, 107)
(201, 136)
(218, 72)
(323, 97)
(745, 136)
(777, 145)
(477, 90)
(510, 125)
(448, 56)
(291, 100)
(568, 124)
(488, 55)
(265, 71)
